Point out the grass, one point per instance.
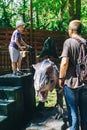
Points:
(51, 99)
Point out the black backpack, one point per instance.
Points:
(81, 66)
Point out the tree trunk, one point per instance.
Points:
(23, 15)
(37, 17)
(63, 4)
(31, 23)
(78, 9)
(71, 9)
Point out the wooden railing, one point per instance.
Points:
(5, 62)
(38, 38)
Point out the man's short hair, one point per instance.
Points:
(76, 25)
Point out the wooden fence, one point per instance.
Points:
(38, 38)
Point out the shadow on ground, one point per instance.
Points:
(48, 118)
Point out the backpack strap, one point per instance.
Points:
(82, 49)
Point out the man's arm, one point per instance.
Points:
(63, 69)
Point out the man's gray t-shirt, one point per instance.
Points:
(71, 49)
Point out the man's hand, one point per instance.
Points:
(61, 83)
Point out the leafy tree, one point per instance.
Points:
(5, 13)
(46, 14)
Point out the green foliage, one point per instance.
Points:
(46, 14)
(84, 16)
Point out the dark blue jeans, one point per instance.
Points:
(77, 107)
